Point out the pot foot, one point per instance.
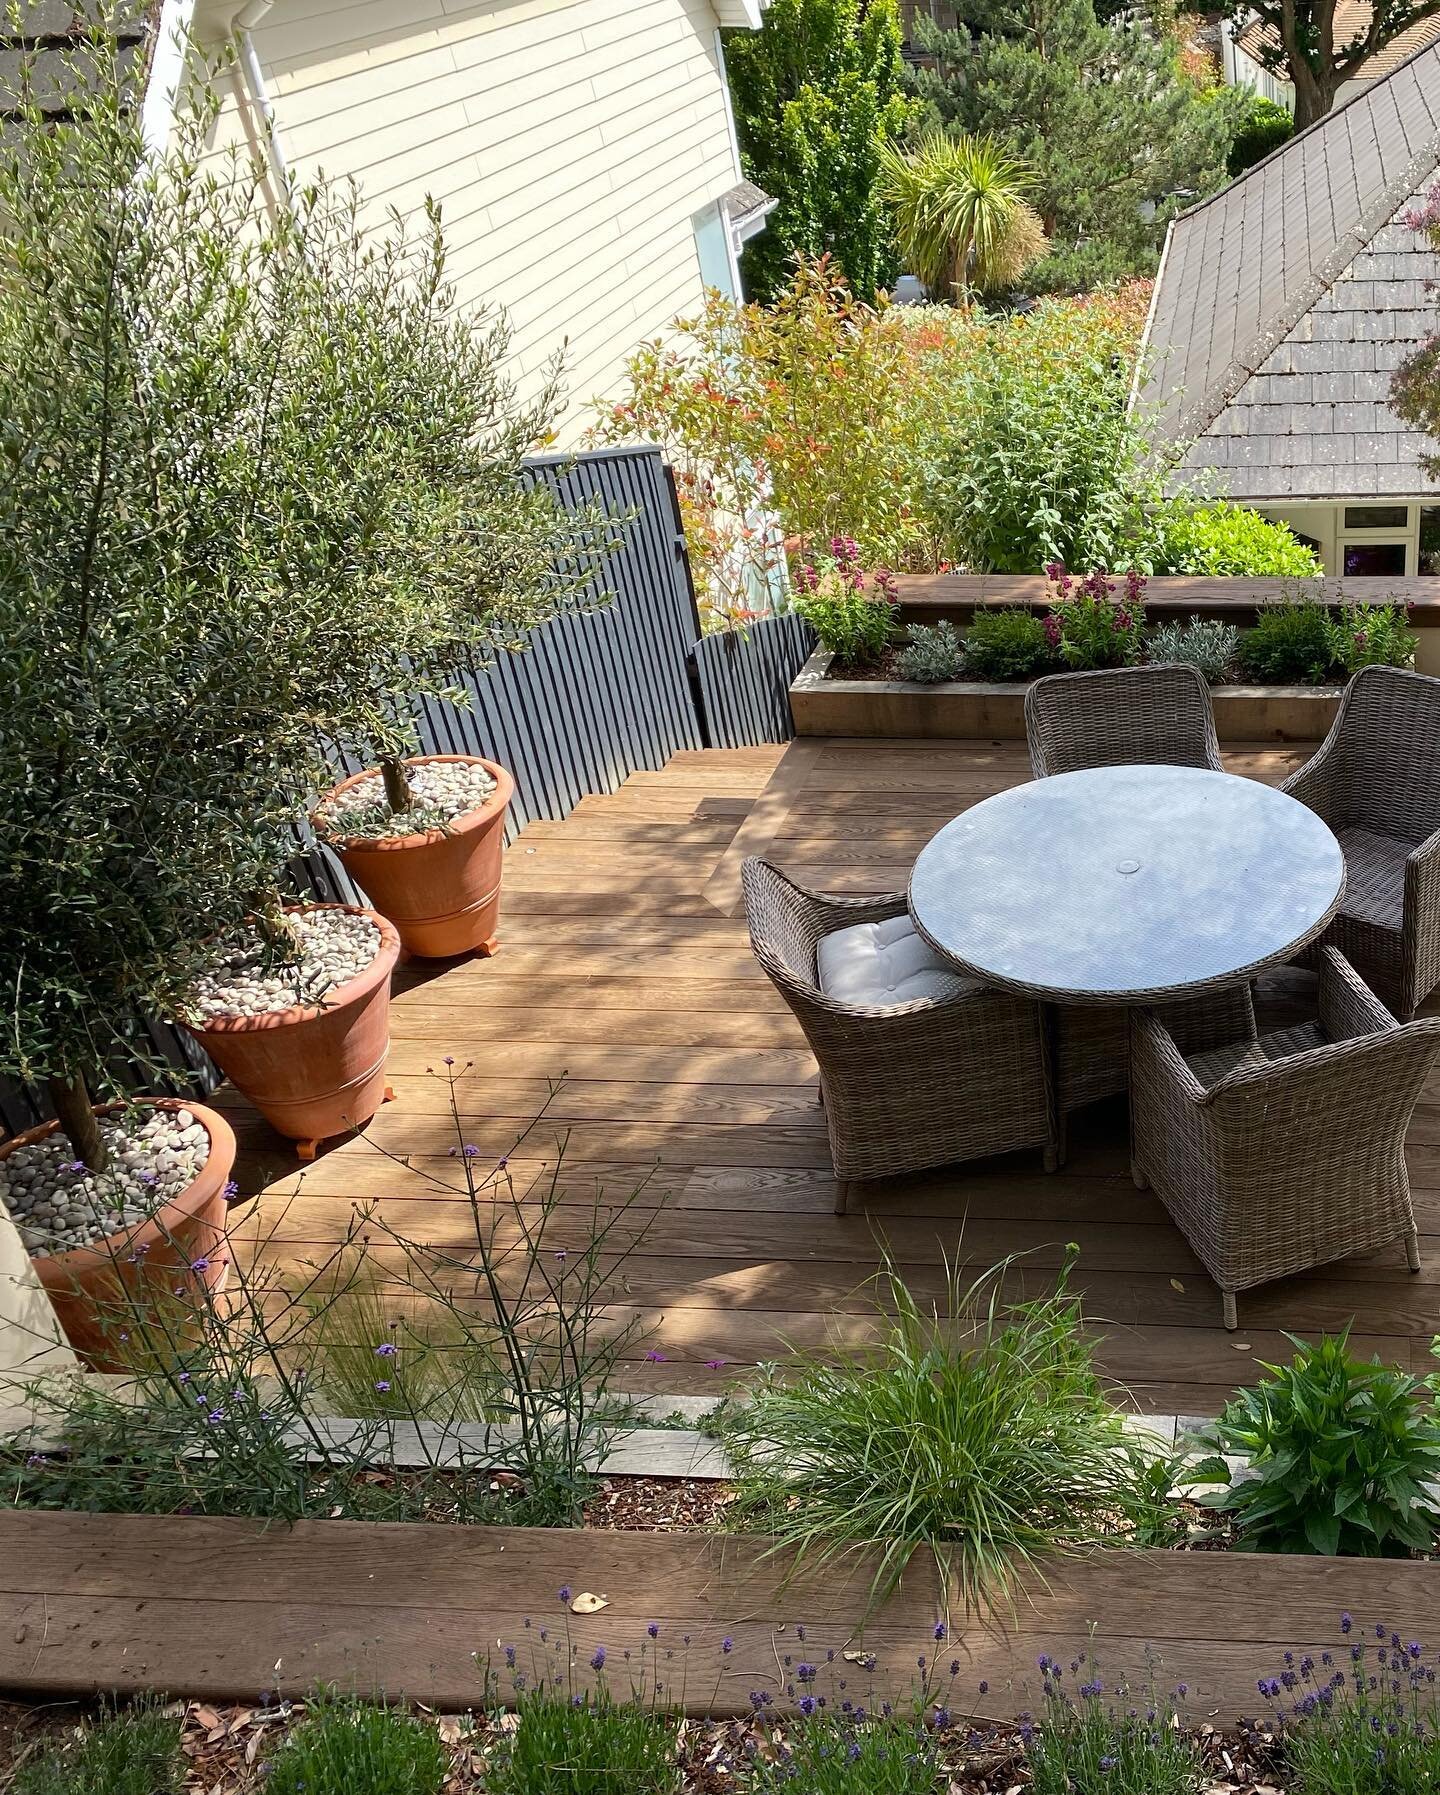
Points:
(487, 950)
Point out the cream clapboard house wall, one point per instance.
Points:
(578, 149)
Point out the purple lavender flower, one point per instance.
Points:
(564, 1592)
(382, 1384)
(939, 1630)
(727, 1645)
(200, 1266)
(655, 1357)
(807, 1705)
(385, 1350)
(231, 1190)
(597, 1662)
(653, 1630)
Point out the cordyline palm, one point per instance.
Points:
(961, 216)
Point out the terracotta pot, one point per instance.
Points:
(441, 888)
(86, 1284)
(314, 1070)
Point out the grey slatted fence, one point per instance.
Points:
(594, 696)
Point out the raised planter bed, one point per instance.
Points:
(226, 1608)
(975, 711)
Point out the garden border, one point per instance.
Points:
(979, 711)
(224, 1608)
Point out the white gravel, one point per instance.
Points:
(444, 790)
(58, 1204)
(335, 947)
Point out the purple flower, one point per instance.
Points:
(231, 1190)
(383, 1385)
(1346, 1623)
(148, 1178)
(78, 1166)
(200, 1266)
(655, 1358)
(510, 1657)
(716, 1364)
(470, 1152)
(215, 1416)
(449, 1059)
(727, 1645)
(653, 1630)
(984, 1688)
(561, 1256)
(807, 1705)
(564, 1592)
(597, 1662)
(385, 1350)
(806, 1673)
(939, 1630)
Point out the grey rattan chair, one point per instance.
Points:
(1121, 717)
(959, 1074)
(1118, 716)
(1277, 1153)
(1376, 781)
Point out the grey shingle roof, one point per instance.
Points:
(47, 50)
(1286, 299)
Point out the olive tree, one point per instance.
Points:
(259, 492)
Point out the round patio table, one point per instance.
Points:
(1121, 885)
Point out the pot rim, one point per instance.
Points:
(493, 807)
(156, 1225)
(341, 996)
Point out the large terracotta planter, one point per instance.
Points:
(314, 1070)
(87, 1285)
(440, 888)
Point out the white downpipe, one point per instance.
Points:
(167, 74)
(255, 96)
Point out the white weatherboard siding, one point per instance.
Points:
(574, 146)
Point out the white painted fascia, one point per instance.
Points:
(167, 73)
(744, 14)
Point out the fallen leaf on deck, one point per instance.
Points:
(585, 1603)
(1175, 1284)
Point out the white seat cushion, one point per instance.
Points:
(880, 963)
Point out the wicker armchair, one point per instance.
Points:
(1120, 716)
(1376, 781)
(1280, 1152)
(927, 1082)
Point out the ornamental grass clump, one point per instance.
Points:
(344, 1746)
(1364, 1720)
(1342, 1457)
(977, 1430)
(123, 1751)
(1107, 1742)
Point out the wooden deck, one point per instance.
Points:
(625, 968)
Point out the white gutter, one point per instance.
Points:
(255, 97)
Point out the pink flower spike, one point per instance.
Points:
(655, 1358)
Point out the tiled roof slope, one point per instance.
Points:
(1352, 21)
(48, 45)
(1286, 299)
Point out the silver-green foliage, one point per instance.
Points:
(978, 1430)
(1203, 643)
(931, 653)
(258, 493)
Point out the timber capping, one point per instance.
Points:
(225, 1609)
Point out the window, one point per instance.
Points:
(1377, 517)
(1385, 560)
(1429, 561)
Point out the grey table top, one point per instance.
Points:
(1121, 884)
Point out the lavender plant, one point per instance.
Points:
(834, 1753)
(1364, 1720)
(931, 654)
(343, 1746)
(123, 1751)
(1107, 1742)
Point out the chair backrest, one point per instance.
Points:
(1384, 750)
(1121, 716)
(782, 932)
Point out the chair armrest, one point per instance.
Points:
(1310, 784)
(1422, 885)
(1157, 1062)
(1349, 1009)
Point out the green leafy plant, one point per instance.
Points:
(262, 492)
(1092, 621)
(1372, 636)
(124, 1751)
(1002, 645)
(1415, 384)
(961, 215)
(1225, 539)
(343, 1746)
(818, 93)
(855, 621)
(1099, 1742)
(1291, 644)
(931, 653)
(220, 1413)
(1339, 1453)
(1203, 643)
(832, 1753)
(1370, 1727)
(981, 1434)
(1263, 127)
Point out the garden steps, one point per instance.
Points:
(226, 1608)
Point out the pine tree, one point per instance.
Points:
(818, 93)
(1117, 134)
